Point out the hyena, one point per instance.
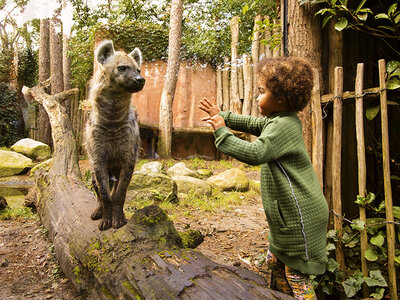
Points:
(112, 132)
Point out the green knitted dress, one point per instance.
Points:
(293, 201)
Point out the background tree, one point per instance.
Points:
(44, 131)
(171, 77)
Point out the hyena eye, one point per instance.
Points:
(122, 68)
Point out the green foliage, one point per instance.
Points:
(384, 21)
(9, 116)
(28, 68)
(376, 254)
(6, 56)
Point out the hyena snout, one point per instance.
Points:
(136, 84)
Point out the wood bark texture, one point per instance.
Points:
(391, 235)
(142, 260)
(304, 40)
(171, 77)
(43, 133)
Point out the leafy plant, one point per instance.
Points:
(352, 280)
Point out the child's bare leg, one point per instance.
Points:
(300, 285)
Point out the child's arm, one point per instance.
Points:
(241, 123)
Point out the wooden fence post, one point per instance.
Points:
(317, 143)
(336, 166)
(362, 173)
(225, 84)
(248, 85)
(255, 48)
(390, 232)
(219, 99)
(236, 104)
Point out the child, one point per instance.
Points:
(293, 201)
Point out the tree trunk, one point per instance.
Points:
(304, 40)
(56, 56)
(171, 77)
(43, 133)
(235, 103)
(66, 64)
(142, 260)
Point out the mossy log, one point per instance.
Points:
(142, 260)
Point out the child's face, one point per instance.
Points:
(267, 103)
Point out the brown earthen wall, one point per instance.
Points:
(194, 83)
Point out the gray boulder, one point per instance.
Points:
(180, 169)
(33, 149)
(151, 167)
(232, 179)
(187, 184)
(13, 163)
(157, 186)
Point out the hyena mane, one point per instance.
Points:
(112, 135)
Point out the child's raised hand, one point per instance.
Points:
(209, 106)
(216, 121)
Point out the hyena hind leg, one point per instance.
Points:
(98, 212)
(118, 199)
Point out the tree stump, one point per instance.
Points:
(144, 259)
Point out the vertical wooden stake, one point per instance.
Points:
(219, 99)
(390, 232)
(337, 160)
(362, 173)
(225, 84)
(317, 144)
(248, 84)
(236, 104)
(255, 48)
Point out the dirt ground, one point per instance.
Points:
(29, 270)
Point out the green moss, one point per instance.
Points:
(106, 292)
(191, 238)
(131, 289)
(77, 273)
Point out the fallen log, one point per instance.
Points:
(142, 260)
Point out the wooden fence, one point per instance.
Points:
(335, 141)
(236, 78)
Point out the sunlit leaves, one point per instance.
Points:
(341, 24)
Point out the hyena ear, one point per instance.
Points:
(137, 56)
(104, 51)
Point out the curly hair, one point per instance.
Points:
(287, 78)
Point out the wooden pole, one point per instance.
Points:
(267, 36)
(390, 232)
(255, 48)
(236, 104)
(317, 128)
(277, 50)
(219, 99)
(240, 81)
(336, 163)
(248, 84)
(362, 173)
(225, 84)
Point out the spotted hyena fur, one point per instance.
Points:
(112, 133)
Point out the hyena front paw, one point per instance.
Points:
(119, 221)
(97, 214)
(105, 224)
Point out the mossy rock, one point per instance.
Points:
(33, 149)
(157, 186)
(232, 179)
(191, 238)
(13, 163)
